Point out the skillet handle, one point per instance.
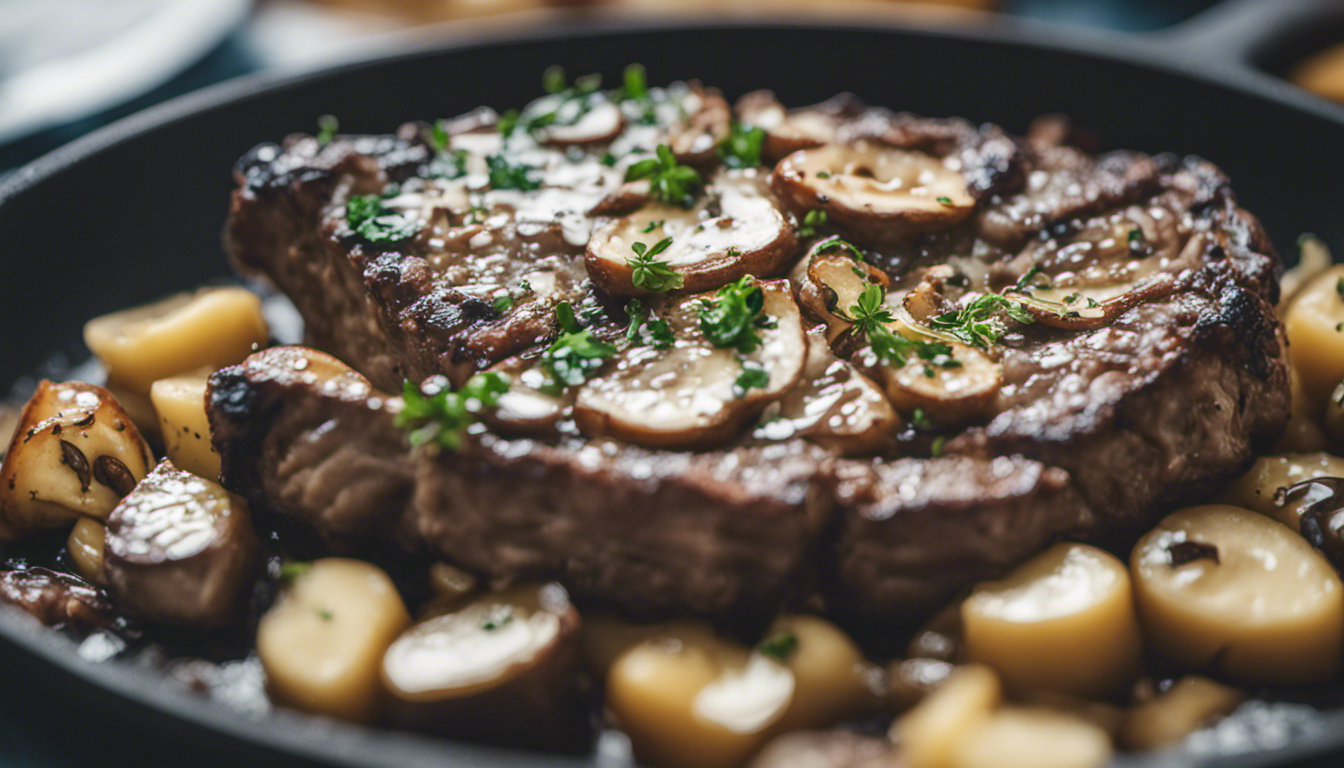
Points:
(1237, 33)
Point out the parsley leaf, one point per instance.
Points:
(669, 181)
(974, 323)
(553, 79)
(636, 82)
(652, 274)
(575, 355)
(732, 318)
(944, 200)
(503, 303)
(293, 569)
(507, 123)
(443, 417)
(1029, 279)
(871, 317)
(370, 219)
(742, 147)
(753, 376)
(837, 242)
(506, 176)
(438, 136)
(448, 165)
(813, 219)
(779, 646)
(659, 332)
(327, 126)
(499, 616)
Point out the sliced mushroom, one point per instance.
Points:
(787, 131)
(878, 194)
(504, 668)
(75, 452)
(1192, 703)
(833, 405)
(687, 395)
(180, 550)
(735, 229)
(602, 122)
(213, 327)
(834, 281)
(950, 390)
(696, 139)
(526, 409)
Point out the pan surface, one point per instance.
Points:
(134, 211)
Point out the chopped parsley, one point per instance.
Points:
(659, 334)
(370, 219)
(669, 181)
(742, 147)
(1339, 288)
(507, 123)
(811, 220)
(498, 616)
(920, 420)
(871, 318)
(753, 376)
(732, 319)
(448, 164)
(652, 274)
(837, 242)
(1029, 279)
(327, 126)
(504, 175)
(936, 449)
(553, 79)
(503, 302)
(326, 614)
(823, 174)
(779, 646)
(438, 136)
(575, 355)
(652, 225)
(443, 417)
(636, 83)
(293, 569)
(733, 250)
(975, 324)
(608, 159)
(943, 200)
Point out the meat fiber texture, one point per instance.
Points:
(1095, 428)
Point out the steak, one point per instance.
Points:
(1088, 341)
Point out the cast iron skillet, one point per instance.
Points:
(134, 211)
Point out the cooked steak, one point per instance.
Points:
(982, 344)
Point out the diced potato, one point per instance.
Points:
(832, 679)
(1257, 488)
(76, 452)
(1193, 702)
(1063, 621)
(607, 636)
(1225, 589)
(1303, 432)
(1315, 325)
(322, 643)
(180, 404)
(213, 327)
(930, 733)
(1032, 738)
(86, 543)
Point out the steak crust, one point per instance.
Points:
(1100, 422)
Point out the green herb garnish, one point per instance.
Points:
(1028, 279)
(293, 569)
(498, 616)
(326, 614)
(975, 324)
(669, 181)
(779, 646)
(438, 136)
(659, 333)
(503, 303)
(575, 355)
(944, 200)
(936, 448)
(649, 273)
(504, 175)
(636, 83)
(742, 147)
(753, 376)
(652, 225)
(327, 126)
(370, 219)
(871, 317)
(813, 219)
(836, 242)
(732, 319)
(443, 417)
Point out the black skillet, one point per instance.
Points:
(133, 211)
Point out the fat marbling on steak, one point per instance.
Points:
(1096, 342)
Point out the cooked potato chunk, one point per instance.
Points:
(1191, 703)
(1032, 738)
(75, 452)
(930, 733)
(1063, 621)
(86, 545)
(180, 550)
(504, 668)
(211, 328)
(1315, 325)
(831, 678)
(323, 641)
(180, 404)
(1223, 588)
(1258, 489)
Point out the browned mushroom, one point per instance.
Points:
(689, 394)
(787, 131)
(602, 122)
(878, 194)
(504, 668)
(75, 452)
(736, 229)
(947, 392)
(179, 550)
(696, 139)
(832, 284)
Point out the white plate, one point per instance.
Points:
(63, 59)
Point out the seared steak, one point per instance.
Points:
(984, 344)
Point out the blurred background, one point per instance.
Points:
(69, 66)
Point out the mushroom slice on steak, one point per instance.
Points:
(878, 194)
(833, 405)
(693, 394)
(696, 139)
(736, 229)
(179, 550)
(955, 386)
(504, 668)
(75, 452)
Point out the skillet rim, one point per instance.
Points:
(306, 737)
